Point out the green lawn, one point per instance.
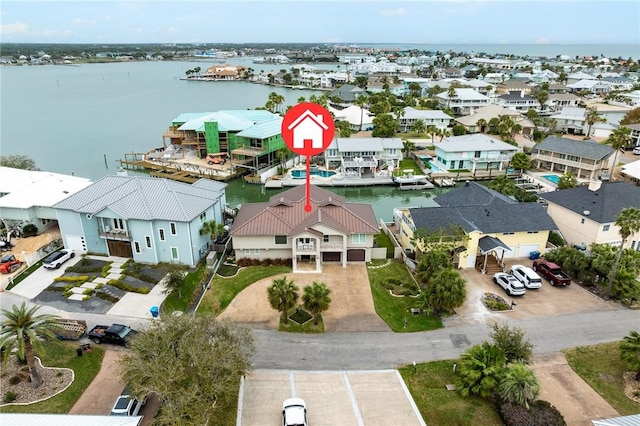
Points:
(440, 406)
(174, 302)
(223, 290)
(601, 367)
(409, 164)
(64, 355)
(395, 310)
(383, 240)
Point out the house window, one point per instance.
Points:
(203, 216)
(325, 238)
(173, 229)
(281, 239)
(174, 253)
(582, 220)
(256, 251)
(358, 238)
(477, 154)
(532, 232)
(118, 224)
(147, 241)
(247, 251)
(136, 247)
(605, 228)
(508, 233)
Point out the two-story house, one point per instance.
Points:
(464, 101)
(356, 154)
(333, 231)
(150, 220)
(435, 118)
(518, 101)
(587, 214)
(473, 152)
(585, 159)
(572, 120)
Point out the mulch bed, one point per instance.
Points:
(54, 380)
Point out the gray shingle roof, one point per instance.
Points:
(603, 205)
(144, 198)
(584, 149)
(472, 194)
(492, 218)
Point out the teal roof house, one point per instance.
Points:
(147, 219)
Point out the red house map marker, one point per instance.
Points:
(308, 130)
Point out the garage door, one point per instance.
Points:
(331, 256)
(355, 255)
(76, 243)
(120, 248)
(526, 249)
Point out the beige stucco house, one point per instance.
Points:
(587, 214)
(333, 231)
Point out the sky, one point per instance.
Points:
(328, 21)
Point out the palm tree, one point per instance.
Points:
(212, 228)
(493, 125)
(630, 351)
(283, 295)
(480, 370)
(628, 222)
(316, 299)
(503, 185)
(481, 124)
(520, 161)
(20, 330)
(620, 139)
(451, 93)
(444, 133)
(519, 385)
(360, 102)
(407, 147)
(592, 117)
(446, 290)
(283, 156)
(432, 131)
(418, 126)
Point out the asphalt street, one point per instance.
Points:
(380, 350)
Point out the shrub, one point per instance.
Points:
(556, 239)
(10, 397)
(72, 279)
(126, 287)
(29, 230)
(88, 291)
(14, 380)
(107, 297)
(257, 262)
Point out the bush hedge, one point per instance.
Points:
(540, 413)
(264, 262)
(126, 287)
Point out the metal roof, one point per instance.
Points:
(584, 149)
(228, 120)
(632, 420)
(264, 129)
(143, 198)
(474, 142)
(472, 194)
(28, 419)
(412, 113)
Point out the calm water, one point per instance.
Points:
(69, 118)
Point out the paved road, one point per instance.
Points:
(380, 350)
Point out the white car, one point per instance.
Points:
(126, 405)
(54, 260)
(294, 412)
(509, 283)
(636, 150)
(526, 276)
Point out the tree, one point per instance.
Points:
(630, 351)
(419, 127)
(480, 370)
(407, 147)
(519, 385)
(592, 117)
(316, 299)
(174, 282)
(362, 81)
(212, 228)
(628, 222)
(511, 342)
(540, 95)
(18, 162)
(458, 130)
(384, 126)
(444, 133)
(446, 290)
(283, 155)
(191, 363)
(361, 102)
(520, 161)
(481, 124)
(415, 89)
(20, 330)
(619, 140)
(432, 131)
(632, 117)
(344, 129)
(567, 180)
(431, 263)
(451, 93)
(283, 295)
(503, 185)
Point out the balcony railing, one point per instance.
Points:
(306, 248)
(565, 162)
(114, 234)
(491, 159)
(324, 246)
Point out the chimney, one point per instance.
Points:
(594, 185)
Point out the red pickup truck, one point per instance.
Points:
(552, 272)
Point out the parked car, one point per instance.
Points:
(294, 412)
(55, 260)
(126, 405)
(636, 150)
(552, 272)
(526, 276)
(509, 283)
(116, 333)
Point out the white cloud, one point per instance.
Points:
(15, 28)
(173, 30)
(393, 12)
(81, 21)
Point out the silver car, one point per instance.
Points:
(509, 283)
(294, 412)
(54, 260)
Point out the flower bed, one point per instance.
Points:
(493, 302)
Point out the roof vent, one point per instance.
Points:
(586, 212)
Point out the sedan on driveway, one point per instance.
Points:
(54, 260)
(509, 283)
(294, 412)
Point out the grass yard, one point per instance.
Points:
(64, 355)
(223, 290)
(440, 406)
(383, 240)
(601, 367)
(396, 310)
(408, 164)
(173, 302)
(306, 327)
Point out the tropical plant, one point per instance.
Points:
(520, 161)
(361, 102)
(481, 124)
(444, 133)
(567, 180)
(431, 263)
(283, 155)
(480, 370)
(384, 126)
(407, 147)
(283, 295)
(632, 117)
(446, 290)
(432, 131)
(519, 385)
(212, 228)
(592, 117)
(316, 299)
(344, 129)
(630, 351)
(504, 185)
(451, 93)
(174, 281)
(541, 95)
(619, 140)
(628, 223)
(18, 162)
(20, 330)
(512, 342)
(419, 126)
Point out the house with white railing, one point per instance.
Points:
(363, 154)
(473, 152)
(464, 101)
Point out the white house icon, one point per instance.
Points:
(308, 127)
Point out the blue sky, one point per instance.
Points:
(238, 21)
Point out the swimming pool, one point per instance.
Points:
(552, 178)
(301, 174)
(434, 168)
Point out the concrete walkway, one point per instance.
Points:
(103, 391)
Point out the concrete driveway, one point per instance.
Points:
(351, 308)
(346, 398)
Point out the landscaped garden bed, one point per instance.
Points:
(494, 303)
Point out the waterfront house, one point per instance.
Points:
(358, 118)
(355, 155)
(630, 172)
(557, 101)
(486, 113)
(464, 101)
(223, 72)
(473, 152)
(150, 220)
(587, 214)
(436, 118)
(572, 120)
(596, 87)
(333, 231)
(585, 159)
(518, 101)
(496, 227)
(345, 95)
(28, 196)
